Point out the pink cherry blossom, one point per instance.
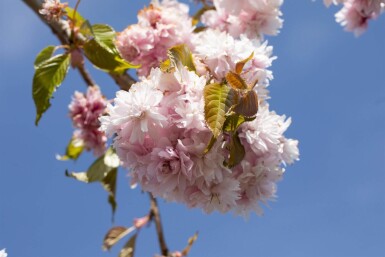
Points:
(356, 14)
(170, 161)
(160, 26)
(250, 17)
(53, 9)
(85, 110)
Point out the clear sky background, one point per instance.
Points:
(330, 203)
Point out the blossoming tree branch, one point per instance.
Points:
(195, 127)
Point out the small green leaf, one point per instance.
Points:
(129, 248)
(210, 145)
(48, 76)
(105, 35)
(181, 56)
(86, 29)
(109, 184)
(43, 56)
(237, 151)
(73, 151)
(114, 235)
(239, 65)
(247, 104)
(75, 16)
(103, 170)
(235, 81)
(233, 122)
(104, 59)
(218, 100)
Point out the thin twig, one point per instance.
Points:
(60, 29)
(159, 230)
(85, 75)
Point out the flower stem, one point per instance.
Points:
(155, 215)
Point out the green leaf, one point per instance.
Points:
(103, 170)
(218, 100)
(233, 122)
(114, 235)
(109, 184)
(102, 52)
(104, 59)
(43, 56)
(237, 151)
(86, 29)
(235, 81)
(48, 76)
(181, 56)
(129, 248)
(73, 150)
(247, 104)
(75, 16)
(105, 35)
(239, 65)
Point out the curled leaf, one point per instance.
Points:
(73, 151)
(239, 65)
(235, 81)
(114, 235)
(247, 104)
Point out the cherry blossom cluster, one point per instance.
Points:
(53, 9)
(159, 27)
(355, 14)
(159, 128)
(250, 17)
(85, 110)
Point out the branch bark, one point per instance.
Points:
(63, 33)
(155, 215)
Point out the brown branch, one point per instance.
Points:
(155, 215)
(85, 75)
(63, 33)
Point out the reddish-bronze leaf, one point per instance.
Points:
(247, 104)
(235, 81)
(239, 66)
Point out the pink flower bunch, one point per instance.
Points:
(218, 52)
(159, 128)
(250, 17)
(160, 26)
(53, 9)
(161, 135)
(85, 110)
(355, 14)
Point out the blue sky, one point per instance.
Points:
(330, 203)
